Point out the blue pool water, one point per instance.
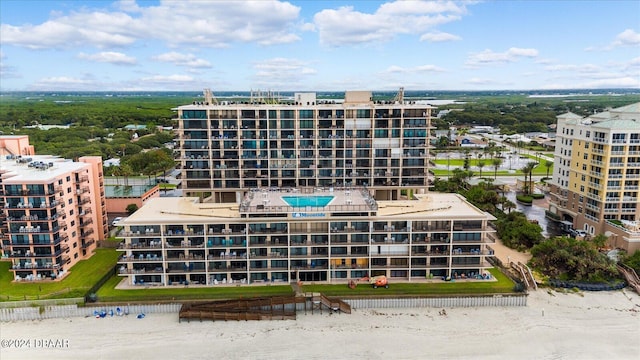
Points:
(303, 201)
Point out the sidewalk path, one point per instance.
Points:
(506, 254)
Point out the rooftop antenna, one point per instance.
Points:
(399, 99)
(209, 98)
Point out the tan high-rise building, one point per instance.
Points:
(596, 174)
(229, 147)
(53, 210)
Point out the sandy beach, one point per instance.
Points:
(554, 325)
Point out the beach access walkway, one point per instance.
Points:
(263, 308)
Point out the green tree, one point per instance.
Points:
(496, 162)
(442, 142)
(467, 162)
(480, 165)
(131, 208)
(517, 232)
(566, 258)
(548, 164)
(527, 171)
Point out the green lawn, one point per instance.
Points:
(108, 292)
(87, 272)
(81, 278)
(502, 286)
(488, 170)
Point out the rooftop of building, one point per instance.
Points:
(619, 124)
(36, 168)
(432, 206)
(306, 100)
(624, 118)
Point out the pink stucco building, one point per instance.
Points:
(53, 210)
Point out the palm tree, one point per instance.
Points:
(548, 164)
(508, 204)
(466, 164)
(480, 165)
(527, 170)
(496, 162)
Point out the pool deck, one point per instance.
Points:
(273, 197)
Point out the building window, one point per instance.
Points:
(75, 256)
(68, 178)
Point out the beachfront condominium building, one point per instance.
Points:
(228, 147)
(315, 234)
(596, 174)
(52, 210)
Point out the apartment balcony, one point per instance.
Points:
(33, 266)
(595, 185)
(140, 258)
(592, 207)
(140, 246)
(83, 178)
(30, 254)
(126, 234)
(88, 244)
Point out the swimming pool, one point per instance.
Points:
(303, 201)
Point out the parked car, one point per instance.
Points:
(116, 221)
(577, 233)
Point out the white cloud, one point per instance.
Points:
(438, 36)
(345, 25)
(608, 83)
(188, 22)
(489, 57)
(585, 68)
(416, 69)
(481, 81)
(627, 38)
(281, 73)
(128, 6)
(179, 59)
(66, 83)
(111, 57)
(633, 63)
(167, 78)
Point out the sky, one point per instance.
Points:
(189, 45)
